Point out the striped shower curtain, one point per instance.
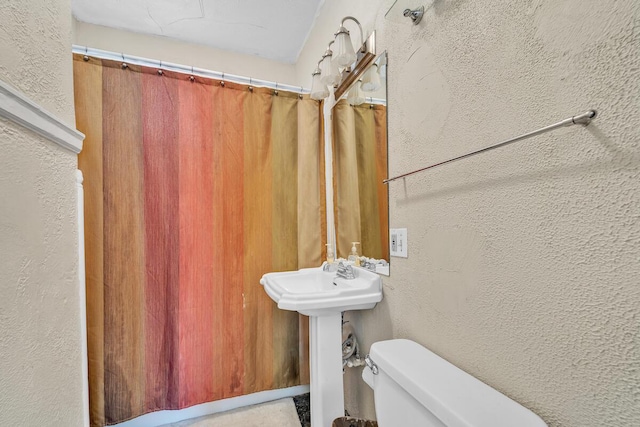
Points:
(361, 206)
(193, 191)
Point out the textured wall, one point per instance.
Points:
(35, 39)
(523, 263)
(40, 362)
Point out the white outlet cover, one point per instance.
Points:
(398, 242)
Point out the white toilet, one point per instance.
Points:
(414, 387)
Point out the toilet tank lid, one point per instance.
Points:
(455, 397)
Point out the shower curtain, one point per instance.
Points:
(193, 190)
(361, 206)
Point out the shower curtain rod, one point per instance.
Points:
(582, 119)
(185, 69)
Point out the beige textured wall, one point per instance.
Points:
(165, 49)
(40, 353)
(524, 263)
(35, 39)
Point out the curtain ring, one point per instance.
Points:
(160, 69)
(250, 84)
(191, 77)
(222, 81)
(275, 92)
(124, 64)
(85, 58)
(300, 94)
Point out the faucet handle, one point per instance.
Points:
(371, 364)
(330, 267)
(345, 271)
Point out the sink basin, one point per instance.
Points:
(323, 297)
(314, 292)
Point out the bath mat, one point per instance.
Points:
(303, 406)
(279, 413)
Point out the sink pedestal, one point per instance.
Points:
(325, 359)
(323, 296)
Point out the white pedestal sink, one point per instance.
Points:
(323, 297)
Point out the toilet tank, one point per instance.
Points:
(415, 387)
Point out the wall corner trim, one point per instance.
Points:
(16, 107)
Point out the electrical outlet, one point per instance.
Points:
(398, 242)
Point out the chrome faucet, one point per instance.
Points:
(345, 271)
(371, 266)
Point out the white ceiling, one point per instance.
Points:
(274, 29)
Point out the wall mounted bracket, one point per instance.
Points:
(415, 15)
